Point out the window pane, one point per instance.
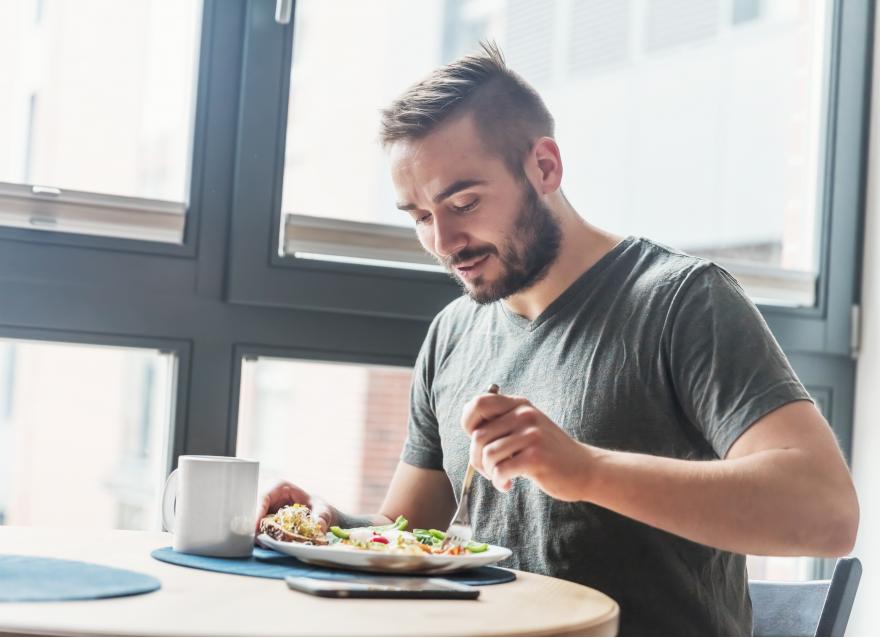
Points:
(97, 95)
(697, 123)
(335, 96)
(335, 429)
(781, 568)
(84, 434)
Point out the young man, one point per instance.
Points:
(649, 431)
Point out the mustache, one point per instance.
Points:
(468, 254)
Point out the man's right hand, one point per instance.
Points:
(286, 493)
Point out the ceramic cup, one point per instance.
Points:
(209, 504)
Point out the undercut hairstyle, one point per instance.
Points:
(509, 114)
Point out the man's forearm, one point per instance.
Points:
(359, 520)
(768, 503)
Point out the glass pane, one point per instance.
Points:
(335, 429)
(335, 97)
(84, 434)
(697, 123)
(97, 95)
(781, 568)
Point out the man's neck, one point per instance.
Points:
(581, 247)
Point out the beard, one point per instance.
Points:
(525, 257)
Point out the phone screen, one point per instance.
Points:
(383, 587)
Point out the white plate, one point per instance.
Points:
(339, 555)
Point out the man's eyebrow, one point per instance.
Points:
(455, 187)
(449, 191)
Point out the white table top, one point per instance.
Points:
(197, 602)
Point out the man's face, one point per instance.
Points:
(486, 226)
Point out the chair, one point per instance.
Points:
(813, 608)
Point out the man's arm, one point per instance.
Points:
(783, 488)
(425, 497)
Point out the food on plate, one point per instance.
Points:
(395, 539)
(294, 523)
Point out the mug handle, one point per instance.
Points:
(169, 501)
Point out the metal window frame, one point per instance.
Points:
(36, 211)
(91, 214)
(257, 274)
(58, 287)
(827, 327)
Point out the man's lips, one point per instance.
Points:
(470, 269)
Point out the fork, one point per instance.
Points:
(460, 531)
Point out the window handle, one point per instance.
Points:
(51, 191)
(283, 9)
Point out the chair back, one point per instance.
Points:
(813, 608)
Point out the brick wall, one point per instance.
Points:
(384, 432)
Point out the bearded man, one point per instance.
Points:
(649, 431)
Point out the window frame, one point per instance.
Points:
(181, 350)
(258, 275)
(827, 326)
(53, 206)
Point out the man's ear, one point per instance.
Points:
(545, 165)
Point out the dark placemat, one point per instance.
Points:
(35, 578)
(267, 563)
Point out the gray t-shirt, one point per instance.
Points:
(649, 351)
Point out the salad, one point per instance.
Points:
(294, 523)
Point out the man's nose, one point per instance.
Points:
(448, 236)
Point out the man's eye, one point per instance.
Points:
(423, 219)
(467, 207)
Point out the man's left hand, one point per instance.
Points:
(510, 437)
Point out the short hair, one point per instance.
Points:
(508, 112)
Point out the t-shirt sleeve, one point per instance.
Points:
(422, 447)
(726, 366)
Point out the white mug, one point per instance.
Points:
(210, 504)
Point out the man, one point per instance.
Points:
(649, 430)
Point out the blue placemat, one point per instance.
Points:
(266, 563)
(34, 578)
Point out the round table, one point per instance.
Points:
(196, 602)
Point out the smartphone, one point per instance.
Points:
(383, 587)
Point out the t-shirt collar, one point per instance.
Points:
(578, 286)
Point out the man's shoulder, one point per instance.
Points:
(457, 316)
(659, 271)
(658, 261)
(450, 328)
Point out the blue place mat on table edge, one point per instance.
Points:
(37, 578)
(267, 563)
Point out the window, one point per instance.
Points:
(96, 109)
(335, 429)
(332, 133)
(84, 434)
(745, 11)
(673, 124)
(781, 568)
